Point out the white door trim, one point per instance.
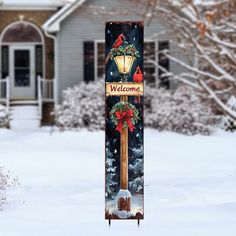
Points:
(22, 92)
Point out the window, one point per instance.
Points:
(149, 58)
(94, 66)
(163, 61)
(88, 61)
(21, 32)
(94, 53)
(151, 72)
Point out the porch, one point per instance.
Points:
(44, 100)
(26, 70)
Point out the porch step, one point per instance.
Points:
(24, 117)
(23, 102)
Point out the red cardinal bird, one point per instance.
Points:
(138, 78)
(138, 75)
(119, 41)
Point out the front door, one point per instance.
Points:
(22, 77)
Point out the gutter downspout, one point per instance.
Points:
(55, 65)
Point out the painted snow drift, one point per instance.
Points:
(124, 182)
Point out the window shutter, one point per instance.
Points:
(5, 61)
(88, 61)
(163, 61)
(39, 60)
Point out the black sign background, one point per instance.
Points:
(133, 32)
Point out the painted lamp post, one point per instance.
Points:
(124, 115)
(124, 64)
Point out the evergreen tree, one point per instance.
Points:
(136, 159)
(111, 183)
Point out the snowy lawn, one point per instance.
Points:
(190, 185)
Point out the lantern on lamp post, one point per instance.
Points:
(124, 64)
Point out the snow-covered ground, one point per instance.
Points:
(190, 185)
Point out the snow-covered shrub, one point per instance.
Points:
(82, 107)
(5, 182)
(229, 124)
(4, 117)
(181, 111)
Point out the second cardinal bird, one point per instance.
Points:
(138, 75)
(138, 78)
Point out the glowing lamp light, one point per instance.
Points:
(124, 63)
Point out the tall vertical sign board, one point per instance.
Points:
(124, 120)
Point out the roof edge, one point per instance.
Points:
(29, 5)
(52, 25)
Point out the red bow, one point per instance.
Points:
(122, 117)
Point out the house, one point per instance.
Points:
(50, 45)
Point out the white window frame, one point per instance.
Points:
(96, 57)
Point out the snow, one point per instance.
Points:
(123, 193)
(189, 185)
(123, 214)
(24, 118)
(4, 117)
(232, 102)
(2, 111)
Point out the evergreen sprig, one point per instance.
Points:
(125, 49)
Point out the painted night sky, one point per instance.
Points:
(133, 32)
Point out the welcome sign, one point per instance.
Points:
(124, 183)
(129, 89)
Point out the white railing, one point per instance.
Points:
(5, 92)
(45, 92)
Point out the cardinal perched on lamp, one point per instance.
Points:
(138, 78)
(120, 48)
(119, 41)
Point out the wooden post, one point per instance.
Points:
(124, 154)
(124, 197)
(124, 159)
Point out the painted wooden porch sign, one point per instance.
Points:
(124, 120)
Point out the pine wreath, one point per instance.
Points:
(124, 115)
